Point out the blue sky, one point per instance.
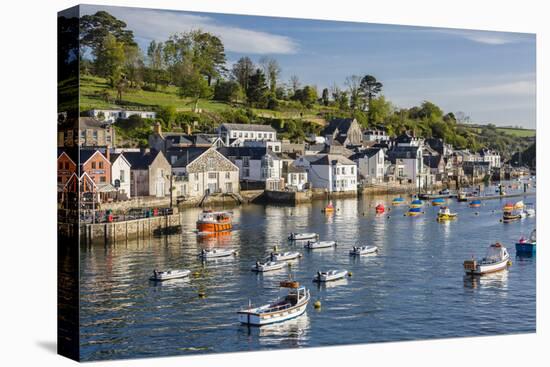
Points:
(488, 75)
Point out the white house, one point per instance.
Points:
(256, 164)
(198, 171)
(112, 115)
(408, 140)
(331, 172)
(230, 132)
(411, 163)
(375, 135)
(295, 177)
(370, 164)
(120, 174)
(274, 146)
(487, 155)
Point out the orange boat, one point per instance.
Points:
(210, 221)
(329, 208)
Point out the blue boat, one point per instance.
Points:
(414, 211)
(438, 201)
(417, 203)
(527, 246)
(398, 201)
(475, 203)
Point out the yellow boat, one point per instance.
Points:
(445, 214)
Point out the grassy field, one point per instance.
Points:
(92, 91)
(520, 133)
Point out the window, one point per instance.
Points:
(93, 165)
(102, 179)
(227, 175)
(95, 134)
(196, 178)
(343, 170)
(246, 161)
(100, 165)
(59, 179)
(121, 175)
(212, 175)
(240, 135)
(60, 165)
(210, 163)
(246, 172)
(67, 165)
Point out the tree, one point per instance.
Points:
(370, 88)
(340, 97)
(353, 83)
(167, 114)
(294, 83)
(192, 84)
(110, 59)
(380, 110)
(241, 72)
(325, 97)
(257, 89)
(154, 55)
(272, 70)
(133, 65)
(94, 28)
(228, 91)
(309, 96)
(429, 112)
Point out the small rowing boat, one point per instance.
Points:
(496, 259)
(413, 212)
(267, 266)
(169, 274)
(330, 275)
(380, 208)
(285, 256)
(462, 196)
(398, 201)
(417, 203)
(438, 202)
(320, 244)
(363, 250)
(288, 307)
(475, 203)
(216, 253)
(303, 236)
(329, 208)
(445, 214)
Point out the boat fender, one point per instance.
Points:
(350, 274)
(509, 263)
(317, 304)
(196, 274)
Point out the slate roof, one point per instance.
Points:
(254, 153)
(402, 153)
(141, 160)
(368, 153)
(343, 125)
(248, 127)
(328, 159)
(293, 169)
(114, 157)
(432, 161)
(185, 155)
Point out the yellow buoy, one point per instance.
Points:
(196, 274)
(317, 304)
(350, 273)
(509, 262)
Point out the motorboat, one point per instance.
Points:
(444, 192)
(330, 275)
(268, 266)
(462, 196)
(380, 208)
(288, 307)
(475, 203)
(363, 250)
(212, 221)
(303, 236)
(320, 244)
(513, 215)
(169, 274)
(496, 259)
(527, 245)
(216, 253)
(529, 210)
(446, 214)
(285, 256)
(417, 203)
(519, 205)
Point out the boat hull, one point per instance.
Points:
(260, 319)
(482, 269)
(213, 227)
(161, 277)
(526, 248)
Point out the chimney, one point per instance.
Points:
(157, 129)
(108, 154)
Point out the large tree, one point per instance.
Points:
(370, 89)
(257, 89)
(241, 72)
(353, 83)
(272, 70)
(109, 61)
(192, 84)
(94, 28)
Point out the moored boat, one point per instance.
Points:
(380, 208)
(363, 250)
(284, 256)
(320, 244)
(398, 201)
(211, 221)
(330, 275)
(302, 236)
(529, 210)
(329, 208)
(169, 274)
(475, 203)
(438, 202)
(268, 266)
(496, 259)
(417, 203)
(413, 212)
(216, 253)
(290, 306)
(512, 215)
(445, 214)
(462, 196)
(527, 246)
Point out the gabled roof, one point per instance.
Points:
(343, 125)
(433, 161)
(329, 159)
(61, 152)
(86, 154)
(115, 156)
(294, 169)
(254, 153)
(248, 127)
(141, 160)
(367, 153)
(402, 153)
(185, 155)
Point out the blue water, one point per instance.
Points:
(413, 289)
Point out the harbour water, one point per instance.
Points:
(414, 288)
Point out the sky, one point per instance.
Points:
(490, 76)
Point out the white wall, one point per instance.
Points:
(121, 165)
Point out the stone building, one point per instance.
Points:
(345, 131)
(150, 173)
(87, 133)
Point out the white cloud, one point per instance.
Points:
(150, 24)
(522, 87)
(488, 37)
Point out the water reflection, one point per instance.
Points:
(493, 280)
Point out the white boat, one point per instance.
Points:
(284, 256)
(328, 276)
(303, 236)
(288, 307)
(496, 259)
(169, 274)
(216, 253)
(320, 244)
(268, 266)
(363, 250)
(529, 211)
